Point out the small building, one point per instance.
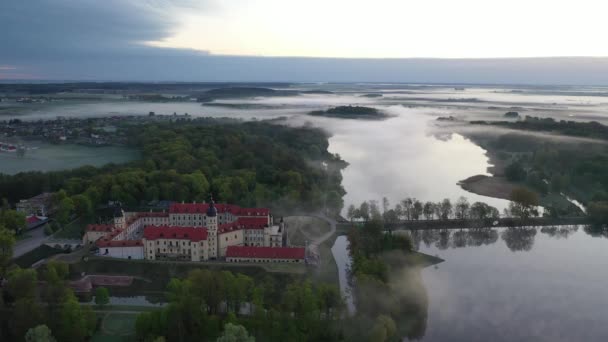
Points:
(34, 221)
(39, 205)
(124, 249)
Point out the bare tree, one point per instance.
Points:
(461, 208)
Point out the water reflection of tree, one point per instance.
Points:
(443, 238)
(519, 238)
(559, 232)
(596, 231)
(404, 298)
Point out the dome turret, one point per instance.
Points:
(211, 211)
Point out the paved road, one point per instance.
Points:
(332, 230)
(24, 246)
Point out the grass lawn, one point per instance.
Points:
(158, 273)
(116, 327)
(36, 254)
(72, 230)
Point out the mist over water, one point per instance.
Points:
(399, 158)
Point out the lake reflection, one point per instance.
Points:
(509, 284)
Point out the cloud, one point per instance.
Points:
(44, 30)
(106, 40)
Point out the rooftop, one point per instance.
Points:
(99, 228)
(170, 232)
(192, 208)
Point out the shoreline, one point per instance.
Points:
(489, 186)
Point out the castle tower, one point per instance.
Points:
(212, 234)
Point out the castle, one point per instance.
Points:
(195, 232)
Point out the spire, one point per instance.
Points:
(211, 211)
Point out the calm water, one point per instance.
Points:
(50, 157)
(340, 253)
(517, 285)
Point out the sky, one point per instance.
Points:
(465, 41)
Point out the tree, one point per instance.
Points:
(428, 210)
(523, 203)
(462, 208)
(64, 210)
(102, 296)
(82, 205)
(22, 283)
(374, 211)
(13, 220)
(7, 242)
(515, 172)
(479, 211)
(446, 209)
(407, 205)
(235, 333)
(417, 209)
(385, 206)
(598, 212)
(74, 322)
(26, 314)
(40, 333)
(364, 211)
(383, 329)
(350, 212)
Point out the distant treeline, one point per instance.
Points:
(50, 88)
(590, 129)
(555, 166)
(348, 112)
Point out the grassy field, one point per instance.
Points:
(116, 327)
(158, 273)
(36, 254)
(72, 230)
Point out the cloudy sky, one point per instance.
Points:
(470, 41)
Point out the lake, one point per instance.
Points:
(518, 284)
(509, 284)
(49, 157)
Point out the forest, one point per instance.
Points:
(349, 112)
(248, 163)
(556, 163)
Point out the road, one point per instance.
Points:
(332, 229)
(37, 238)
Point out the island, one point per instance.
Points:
(241, 92)
(351, 112)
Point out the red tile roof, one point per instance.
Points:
(192, 208)
(32, 219)
(266, 252)
(169, 232)
(99, 228)
(243, 223)
(118, 243)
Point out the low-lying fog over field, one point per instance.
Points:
(402, 156)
